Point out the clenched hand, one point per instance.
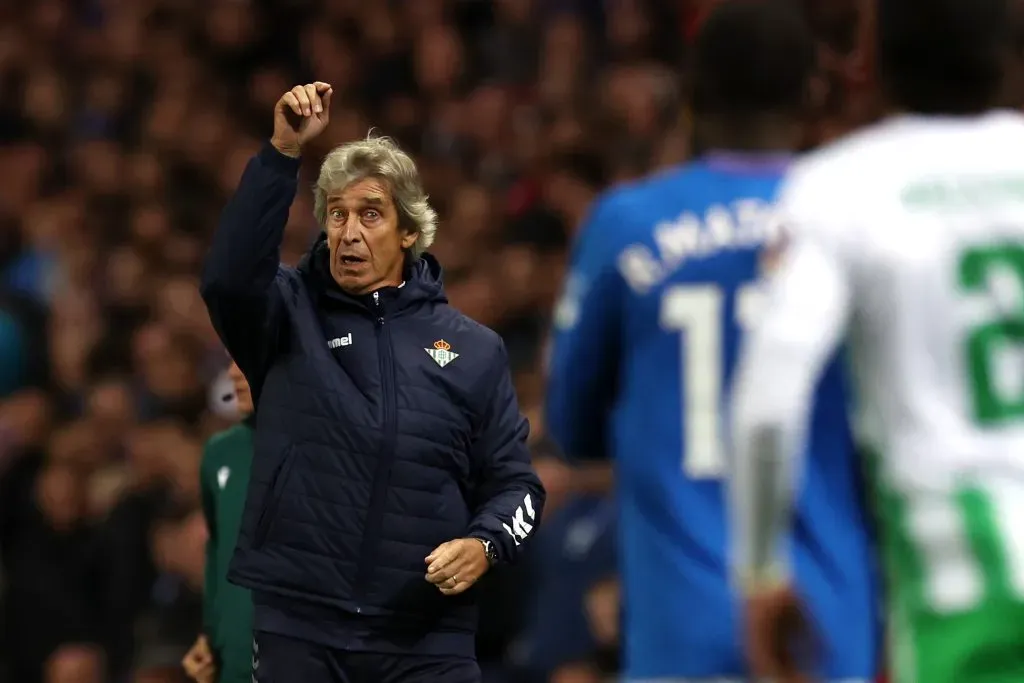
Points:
(199, 664)
(300, 115)
(456, 565)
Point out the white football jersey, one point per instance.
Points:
(921, 222)
(906, 244)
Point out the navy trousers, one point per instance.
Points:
(279, 659)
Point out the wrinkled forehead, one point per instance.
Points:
(364, 192)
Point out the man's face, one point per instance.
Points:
(243, 395)
(367, 245)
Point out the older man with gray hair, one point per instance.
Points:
(390, 469)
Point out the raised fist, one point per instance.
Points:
(300, 115)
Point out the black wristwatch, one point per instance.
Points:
(489, 552)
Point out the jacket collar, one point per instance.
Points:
(423, 282)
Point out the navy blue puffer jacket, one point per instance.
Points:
(386, 425)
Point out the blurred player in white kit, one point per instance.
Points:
(906, 243)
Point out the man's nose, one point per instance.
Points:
(350, 233)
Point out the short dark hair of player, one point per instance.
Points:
(943, 56)
(752, 57)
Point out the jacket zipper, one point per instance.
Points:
(378, 496)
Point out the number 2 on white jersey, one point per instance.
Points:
(695, 312)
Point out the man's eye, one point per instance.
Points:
(371, 214)
(337, 214)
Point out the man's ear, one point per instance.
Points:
(409, 238)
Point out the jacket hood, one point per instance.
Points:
(423, 277)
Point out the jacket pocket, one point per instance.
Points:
(273, 498)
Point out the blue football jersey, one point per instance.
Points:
(663, 280)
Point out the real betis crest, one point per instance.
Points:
(442, 353)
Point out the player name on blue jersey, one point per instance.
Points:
(741, 224)
(663, 282)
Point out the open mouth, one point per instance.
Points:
(350, 260)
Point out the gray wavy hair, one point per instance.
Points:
(379, 157)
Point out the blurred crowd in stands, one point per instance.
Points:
(125, 125)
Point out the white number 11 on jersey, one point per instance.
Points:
(695, 312)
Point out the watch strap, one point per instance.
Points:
(489, 551)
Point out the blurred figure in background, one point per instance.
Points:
(223, 651)
(572, 626)
(662, 286)
(169, 624)
(22, 343)
(49, 573)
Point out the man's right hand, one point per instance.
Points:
(199, 663)
(300, 115)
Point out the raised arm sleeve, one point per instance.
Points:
(244, 259)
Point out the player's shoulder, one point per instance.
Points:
(843, 182)
(228, 441)
(607, 218)
(619, 212)
(664, 186)
(828, 168)
(879, 158)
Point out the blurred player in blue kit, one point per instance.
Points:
(663, 281)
